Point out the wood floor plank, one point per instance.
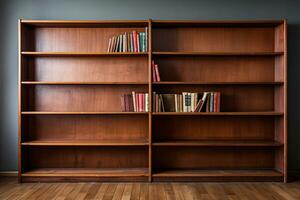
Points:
(11, 190)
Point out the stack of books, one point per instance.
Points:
(135, 102)
(155, 72)
(187, 102)
(129, 42)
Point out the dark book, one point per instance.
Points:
(168, 101)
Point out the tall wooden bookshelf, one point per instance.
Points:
(71, 127)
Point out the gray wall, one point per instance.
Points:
(12, 10)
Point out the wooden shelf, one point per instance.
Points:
(81, 113)
(218, 53)
(218, 173)
(86, 23)
(221, 143)
(86, 143)
(81, 83)
(221, 113)
(217, 83)
(34, 53)
(77, 172)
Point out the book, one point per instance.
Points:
(201, 102)
(176, 103)
(162, 106)
(109, 45)
(146, 102)
(153, 71)
(185, 99)
(134, 102)
(157, 73)
(168, 102)
(218, 101)
(141, 42)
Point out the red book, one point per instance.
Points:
(134, 41)
(140, 102)
(157, 73)
(138, 42)
(127, 103)
(153, 72)
(137, 102)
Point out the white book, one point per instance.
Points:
(134, 102)
(146, 102)
(192, 102)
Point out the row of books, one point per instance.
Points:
(135, 102)
(129, 42)
(155, 72)
(187, 102)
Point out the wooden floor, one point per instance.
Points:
(10, 189)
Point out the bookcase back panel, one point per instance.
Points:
(88, 157)
(61, 39)
(234, 98)
(86, 127)
(216, 69)
(212, 128)
(212, 158)
(87, 69)
(79, 97)
(214, 39)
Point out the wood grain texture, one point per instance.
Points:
(10, 189)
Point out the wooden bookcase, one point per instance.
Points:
(71, 127)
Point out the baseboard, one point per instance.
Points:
(8, 173)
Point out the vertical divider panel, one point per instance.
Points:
(150, 96)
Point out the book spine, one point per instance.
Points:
(109, 45)
(153, 102)
(141, 102)
(124, 42)
(180, 103)
(133, 100)
(156, 103)
(153, 71)
(184, 98)
(138, 42)
(192, 102)
(218, 101)
(141, 41)
(211, 109)
(120, 43)
(134, 41)
(157, 73)
(162, 103)
(131, 109)
(215, 102)
(176, 103)
(146, 102)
